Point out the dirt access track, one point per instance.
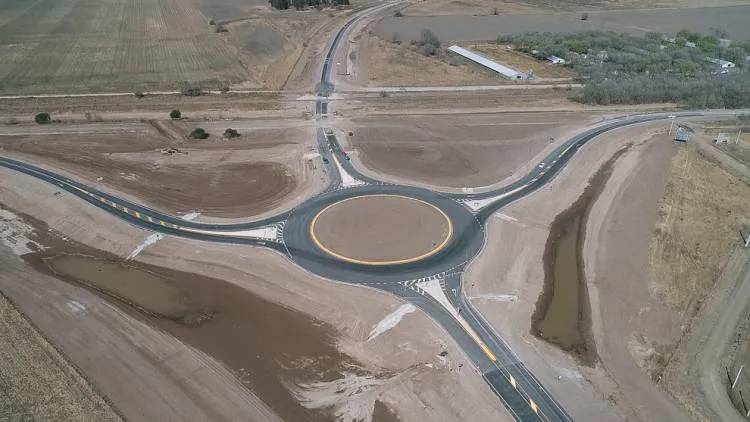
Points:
(156, 163)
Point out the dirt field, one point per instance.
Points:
(37, 382)
(636, 22)
(88, 46)
(391, 64)
(384, 237)
(488, 7)
(177, 381)
(247, 176)
(456, 151)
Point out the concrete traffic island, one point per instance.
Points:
(382, 229)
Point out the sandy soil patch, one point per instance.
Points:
(456, 151)
(37, 382)
(397, 228)
(246, 176)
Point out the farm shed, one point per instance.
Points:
(488, 63)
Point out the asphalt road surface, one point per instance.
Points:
(433, 284)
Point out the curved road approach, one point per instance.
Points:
(432, 283)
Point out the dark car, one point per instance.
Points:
(325, 160)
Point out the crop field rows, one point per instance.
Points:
(53, 46)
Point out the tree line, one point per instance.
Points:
(625, 69)
(303, 4)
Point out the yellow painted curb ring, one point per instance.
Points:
(381, 263)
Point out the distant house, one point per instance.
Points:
(681, 135)
(691, 44)
(556, 60)
(488, 63)
(724, 64)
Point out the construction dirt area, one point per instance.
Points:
(651, 249)
(175, 312)
(368, 232)
(471, 150)
(157, 163)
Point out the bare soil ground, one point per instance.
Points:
(460, 150)
(400, 64)
(242, 177)
(177, 381)
(488, 7)
(506, 280)
(37, 382)
(484, 26)
(130, 108)
(397, 228)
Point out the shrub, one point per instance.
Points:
(231, 133)
(224, 89)
(211, 22)
(175, 114)
(189, 90)
(427, 37)
(199, 133)
(398, 14)
(427, 50)
(584, 16)
(220, 28)
(42, 118)
(11, 121)
(383, 94)
(138, 94)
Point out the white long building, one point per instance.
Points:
(488, 63)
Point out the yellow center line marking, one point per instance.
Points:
(376, 263)
(150, 220)
(126, 210)
(162, 223)
(137, 214)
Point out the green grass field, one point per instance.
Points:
(63, 46)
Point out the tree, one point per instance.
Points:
(175, 114)
(584, 16)
(42, 118)
(199, 133)
(427, 37)
(231, 133)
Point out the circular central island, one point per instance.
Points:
(381, 229)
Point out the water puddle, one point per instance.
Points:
(563, 313)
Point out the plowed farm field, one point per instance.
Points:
(55, 46)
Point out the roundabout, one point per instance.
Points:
(381, 233)
(381, 230)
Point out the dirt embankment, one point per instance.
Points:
(246, 333)
(563, 312)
